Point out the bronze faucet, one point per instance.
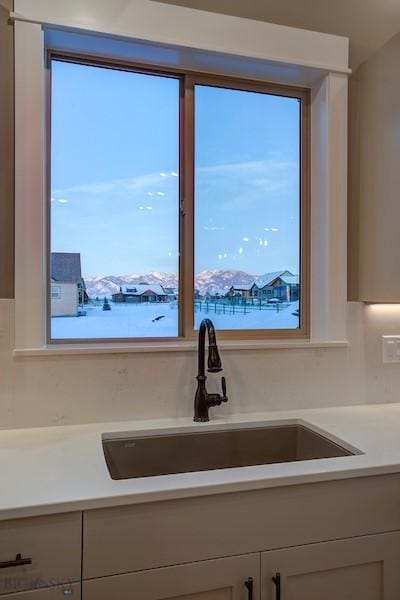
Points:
(203, 400)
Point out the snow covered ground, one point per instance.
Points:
(267, 318)
(130, 321)
(122, 321)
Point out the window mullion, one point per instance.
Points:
(187, 209)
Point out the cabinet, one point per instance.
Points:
(234, 578)
(160, 534)
(62, 592)
(40, 552)
(374, 182)
(335, 540)
(363, 568)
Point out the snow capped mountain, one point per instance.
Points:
(211, 281)
(215, 280)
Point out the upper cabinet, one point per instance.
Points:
(374, 192)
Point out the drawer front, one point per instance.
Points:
(62, 592)
(147, 536)
(50, 547)
(221, 579)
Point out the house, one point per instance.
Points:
(287, 288)
(240, 290)
(68, 288)
(140, 292)
(172, 292)
(272, 285)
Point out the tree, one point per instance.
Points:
(106, 304)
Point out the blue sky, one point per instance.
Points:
(115, 166)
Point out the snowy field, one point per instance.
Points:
(131, 320)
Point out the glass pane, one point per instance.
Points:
(247, 206)
(114, 203)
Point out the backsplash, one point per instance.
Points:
(43, 391)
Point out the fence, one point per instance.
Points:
(226, 307)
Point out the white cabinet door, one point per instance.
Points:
(364, 568)
(221, 579)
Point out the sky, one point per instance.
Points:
(114, 174)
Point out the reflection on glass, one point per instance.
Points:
(247, 209)
(114, 203)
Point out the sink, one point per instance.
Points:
(145, 456)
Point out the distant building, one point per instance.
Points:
(141, 292)
(287, 288)
(68, 289)
(282, 285)
(240, 290)
(171, 292)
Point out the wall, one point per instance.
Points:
(368, 23)
(67, 303)
(82, 389)
(75, 389)
(6, 153)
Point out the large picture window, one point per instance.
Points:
(174, 197)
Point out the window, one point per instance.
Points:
(55, 292)
(176, 197)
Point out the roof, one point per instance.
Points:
(137, 289)
(242, 286)
(290, 279)
(66, 267)
(268, 278)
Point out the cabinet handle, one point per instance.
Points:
(18, 562)
(249, 585)
(277, 581)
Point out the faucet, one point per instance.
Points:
(203, 400)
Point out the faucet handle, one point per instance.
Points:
(223, 384)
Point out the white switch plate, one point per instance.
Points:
(391, 348)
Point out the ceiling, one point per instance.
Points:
(368, 23)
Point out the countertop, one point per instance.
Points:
(59, 469)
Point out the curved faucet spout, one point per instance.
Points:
(214, 360)
(203, 400)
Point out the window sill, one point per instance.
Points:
(191, 346)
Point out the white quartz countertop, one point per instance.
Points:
(59, 469)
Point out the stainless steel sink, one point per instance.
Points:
(139, 456)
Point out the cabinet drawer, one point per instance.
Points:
(147, 536)
(53, 546)
(61, 592)
(221, 579)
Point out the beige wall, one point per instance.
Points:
(77, 389)
(6, 153)
(74, 389)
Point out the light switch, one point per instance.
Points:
(391, 348)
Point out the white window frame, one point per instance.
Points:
(169, 35)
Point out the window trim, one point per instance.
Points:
(186, 236)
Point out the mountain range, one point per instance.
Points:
(210, 281)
